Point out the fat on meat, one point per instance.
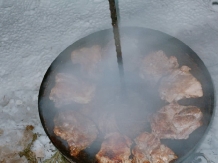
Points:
(79, 131)
(180, 84)
(155, 65)
(114, 149)
(175, 121)
(70, 89)
(148, 149)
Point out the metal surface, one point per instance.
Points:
(196, 158)
(114, 10)
(148, 41)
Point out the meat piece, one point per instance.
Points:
(147, 141)
(115, 149)
(176, 122)
(88, 60)
(156, 65)
(180, 84)
(148, 149)
(76, 129)
(162, 154)
(70, 89)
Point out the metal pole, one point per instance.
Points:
(114, 17)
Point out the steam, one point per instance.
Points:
(131, 108)
(110, 109)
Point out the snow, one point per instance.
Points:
(34, 32)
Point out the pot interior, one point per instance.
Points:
(145, 41)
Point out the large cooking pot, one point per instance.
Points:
(148, 40)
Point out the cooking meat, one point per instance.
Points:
(148, 149)
(88, 60)
(76, 129)
(156, 65)
(180, 84)
(70, 89)
(162, 154)
(175, 121)
(115, 149)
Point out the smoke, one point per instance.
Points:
(91, 84)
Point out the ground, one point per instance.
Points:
(34, 32)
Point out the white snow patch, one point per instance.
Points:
(34, 32)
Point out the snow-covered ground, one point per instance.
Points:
(34, 32)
